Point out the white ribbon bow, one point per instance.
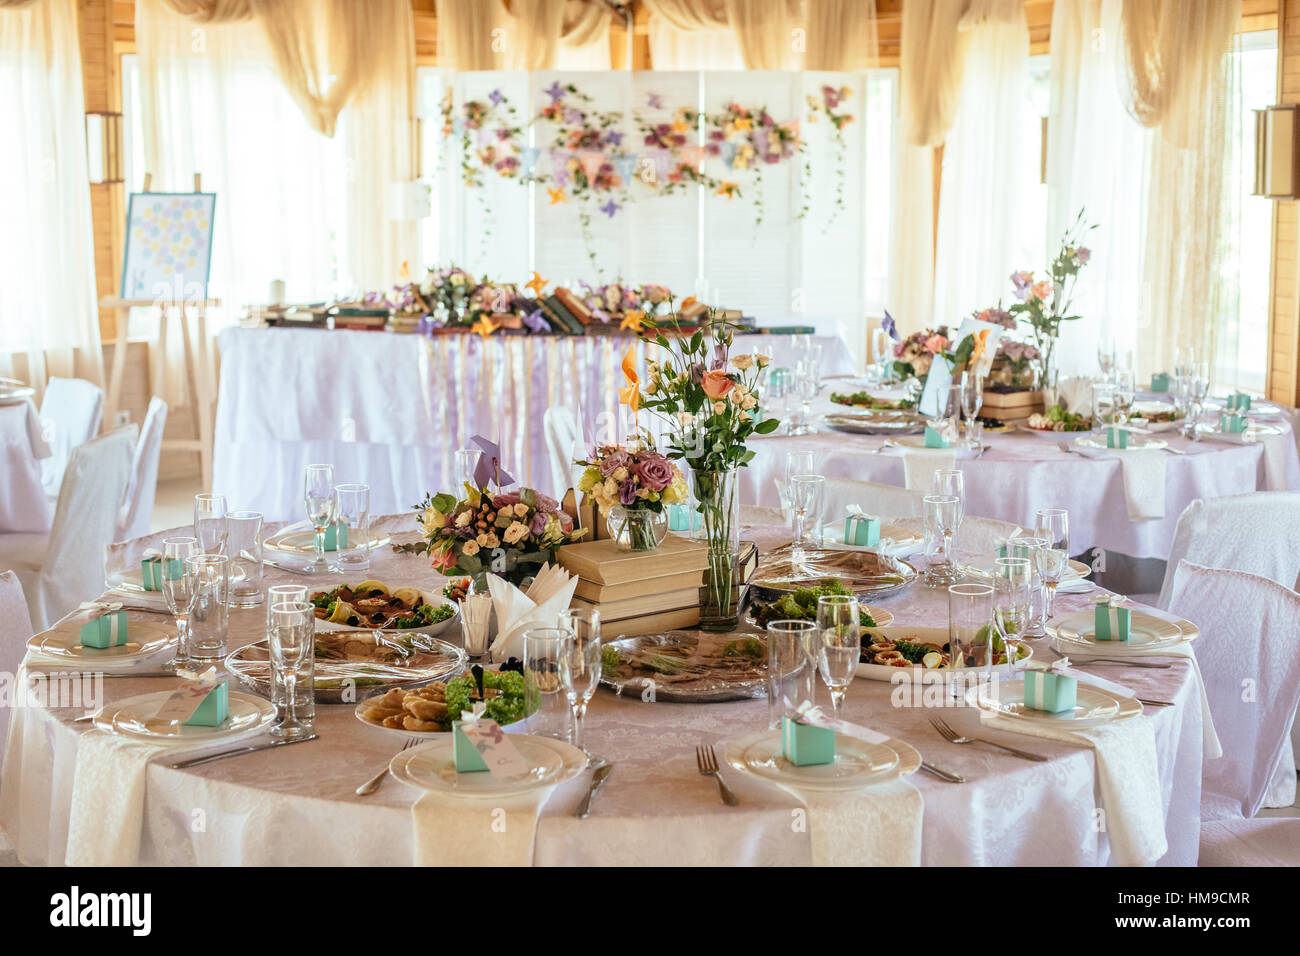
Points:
(101, 606)
(202, 678)
(472, 716)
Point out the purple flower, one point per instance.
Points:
(615, 461)
(1082, 255)
(655, 472)
(890, 327)
(1022, 282)
(616, 139)
(495, 97)
(554, 91)
(627, 492)
(655, 100)
(538, 524)
(719, 357)
(573, 116)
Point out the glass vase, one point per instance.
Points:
(637, 529)
(718, 497)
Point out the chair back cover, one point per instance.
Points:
(85, 522)
(70, 410)
(1249, 656)
(887, 501)
(563, 447)
(15, 629)
(1254, 532)
(133, 521)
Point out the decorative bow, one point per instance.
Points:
(199, 678)
(1058, 667)
(630, 396)
(101, 606)
(471, 716)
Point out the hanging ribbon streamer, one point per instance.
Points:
(626, 166)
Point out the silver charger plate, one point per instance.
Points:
(702, 678)
(876, 422)
(862, 572)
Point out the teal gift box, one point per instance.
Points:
(861, 530)
(107, 630)
(934, 438)
(1049, 692)
(682, 518)
(1238, 402)
(1116, 437)
(154, 570)
(336, 536)
(1160, 382)
(805, 745)
(213, 709)
(1232, 424)
(467, 757)
(1111, 622)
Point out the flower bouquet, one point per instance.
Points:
(632, 486)
(511, 534)
(1045, 303)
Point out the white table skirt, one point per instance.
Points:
(24, 506)
(296, 805)
(1022, 473)
(391, 410)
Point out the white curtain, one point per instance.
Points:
(985, 165)
(674, 49)
(49, 323)
(1094, 162)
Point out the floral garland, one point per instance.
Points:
(490, 139)
(830, 101)
(669, 139)
(750, 139)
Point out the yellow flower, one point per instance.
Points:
(492, 541)
(470, 548)
(763, 360)
(516, 532)
(521, 509)
(463, 518)
(719, 407)
(742, 362)
(482, 540)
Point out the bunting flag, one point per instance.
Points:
(626, 166)
(530, 155)
(729, 153)
(693, 156)
(591, 161)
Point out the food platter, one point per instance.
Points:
(351, 665)
(373, 606)
(875, 422)
(934, 637)
(863, 572)
(427, 712)
(688, 667)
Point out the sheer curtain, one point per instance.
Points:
(675, 49)
(985, 164)
(49, 322)
(1095, 162)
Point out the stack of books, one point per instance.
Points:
(645, 592)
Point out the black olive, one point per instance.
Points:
(354, 621)
(377, 618)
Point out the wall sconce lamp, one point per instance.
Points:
(1276, 176)
(104, 147)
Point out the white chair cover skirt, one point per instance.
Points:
(71, 409)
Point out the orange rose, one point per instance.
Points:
(717, 384)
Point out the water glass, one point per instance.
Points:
(210, 523)
(580, 664)
(244, 545)
(1103, 403)
(796, 463)
(808, 501)
(545, 701)
(970, 614)
(176, 591)
(1026, 548)
(318, 493)
(1125, 392)
(839, 635)
(352, 507)
(1011, 580)
(209, 606)
(467, 460)
(950, 481)
(284, 594)
(941, 520)
(291, 640)
(792, 648)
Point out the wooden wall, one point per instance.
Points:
(1284, 320)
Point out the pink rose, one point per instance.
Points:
(1042, 291)
(936, 344)
(655, 473)
(716, 383)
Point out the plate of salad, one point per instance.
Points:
(1056, 420)
(801, 605)
(867, 400)
(374, 606)
(912, 651)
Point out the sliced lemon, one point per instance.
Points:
(932, 660)
(371, 586)
(342, 611)
(410, 596)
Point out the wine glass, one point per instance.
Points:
(178, 593)
(1051, 563)
(319, 495)
(284, 594)
(1011, 602)
(1053, 526)
(580, 663)
(972, 399)
(1103, 403)
(467, 460)
(839, 627)
(951, 481)
(970, 616)
(807, 499)
(796, 463)
(1125, 390)
(210, 523)
(290, 641)
(1106, 355)
(941, 519)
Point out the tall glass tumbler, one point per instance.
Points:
(792, 648)
(291, 640)
(970, 634)
(941, 520)
(209, 606)
(352, 507)
(210, 523)
(545, 701)
(244, 545)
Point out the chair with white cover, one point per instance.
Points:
(15, 629)
(887, 501)
(133, 520)
(563, 447)
(71, 410)
(61, 569)
(1249, 657)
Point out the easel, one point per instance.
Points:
(197, 369)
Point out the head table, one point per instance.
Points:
(296, 804)
(391, 409)
(1018, 473)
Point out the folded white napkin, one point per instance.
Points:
(501, 832)
(1144, 479)
(1276, 450)
(1075, 394)
(107, 810)
(1127, 784)
(550, 593)
(876, 826)
(920, 464)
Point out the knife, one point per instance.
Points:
(597, 778)
(943, 774)
(264, 745)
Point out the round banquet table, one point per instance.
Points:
(23, 504)
(1020, 473)
(391, 409)
(296, 804)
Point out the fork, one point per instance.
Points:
(708, 764)
(950, 735)
(375, 782)
(1150, 665)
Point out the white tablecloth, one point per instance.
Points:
(1021, 473)
(391, 410)
(23, 504)
(296, 805)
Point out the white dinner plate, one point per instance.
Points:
(1093, 706)
(299, 540)
(1254, 431)
(432, 767)
(962, 449)
(1257, 407)
(895, 540)
(917, 635)
(1145, 631)
(130, 581)
(134, 717)
(10, 395)
(1048, 433)
(1135, 443)
(1075, 571)
(145, 639)
(857, 763)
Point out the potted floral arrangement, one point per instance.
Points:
(631, 485)
(511, 534)
(709, 399)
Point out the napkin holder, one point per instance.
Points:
(1116, 437)
(1112, 620)
(1049, 691)
(935, 438)
(684, 518)
(805, 745)
(1232, 424)
(1238, 402)
(467, 757)
(1160, 382)
(861, 530)
(336, 536)
(213, 709)
(106, 629)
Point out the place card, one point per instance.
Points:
(106, 628)
(480, 744)
(202, 700)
